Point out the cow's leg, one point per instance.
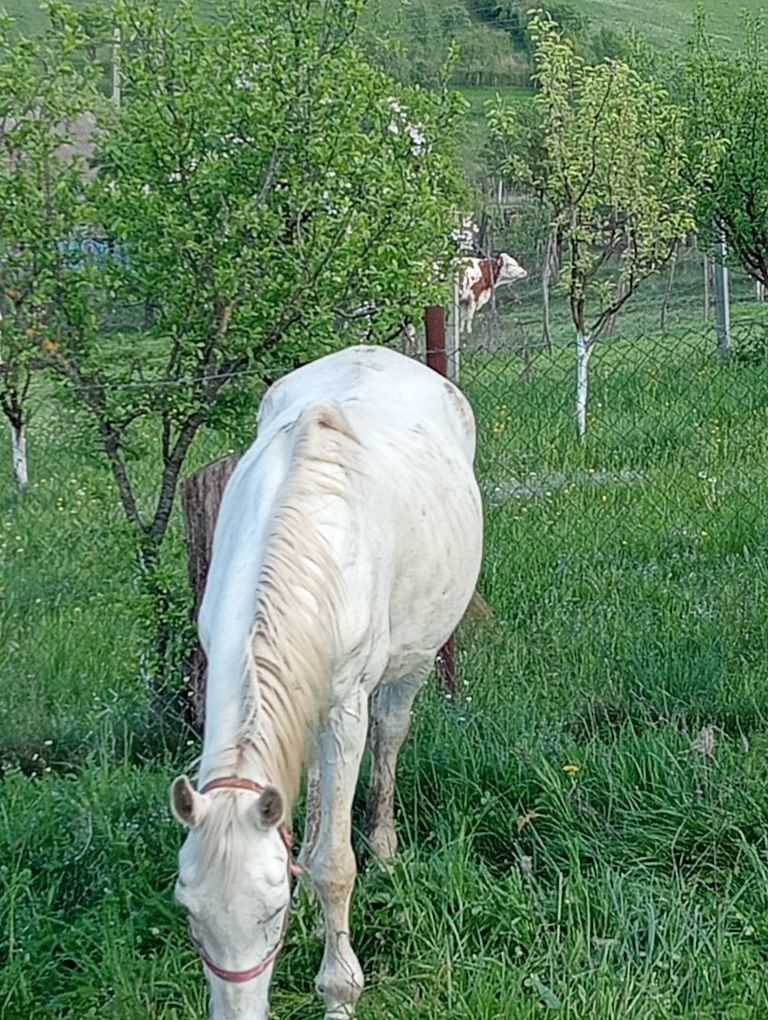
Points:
(469, 314)
(390, 721)
(331, 862)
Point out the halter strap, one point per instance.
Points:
(233, 783)
(240, 976)
(241, 783)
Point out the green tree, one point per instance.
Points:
(260, 178)
(604, 152)
(42, 89)
(485, 56)
(412, 40)
(726, 94)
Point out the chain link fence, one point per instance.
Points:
(655, 521)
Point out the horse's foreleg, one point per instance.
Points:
(331, 862)
(390, 721)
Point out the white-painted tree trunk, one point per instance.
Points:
(19, 445)
(584, 348)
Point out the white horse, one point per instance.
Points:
(346, 551)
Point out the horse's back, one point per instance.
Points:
(405, 524)
(378, 390)
(415, 555)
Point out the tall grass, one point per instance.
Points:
(583, 827)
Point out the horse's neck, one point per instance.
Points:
(276, 623)
(263, 708)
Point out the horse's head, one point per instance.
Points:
(235, 885)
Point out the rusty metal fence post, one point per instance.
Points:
(437, 359)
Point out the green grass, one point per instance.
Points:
(670, 22)
(666, 21)
(474, 131)
(31, 19)
(629, 582)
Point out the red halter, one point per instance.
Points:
(240, 976)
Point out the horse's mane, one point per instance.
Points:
(294, 636)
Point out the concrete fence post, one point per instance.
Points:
(722, 299)
(116, 73)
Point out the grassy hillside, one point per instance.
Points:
(31, 19)
(669, 21)
(666, 21)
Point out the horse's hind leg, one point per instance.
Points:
(390, 721)
(312, 815)
(331, 861)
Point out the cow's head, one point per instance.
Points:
(508, 270)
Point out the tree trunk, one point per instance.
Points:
(551, 268)
(667, 294)
(201, 494)
(19, 447)
(584, 348)
(619, 294)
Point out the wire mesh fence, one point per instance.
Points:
(650, 531)
(655, 523)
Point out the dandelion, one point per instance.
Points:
(571, 770)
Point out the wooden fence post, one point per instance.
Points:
(437, 359)
(201, 496)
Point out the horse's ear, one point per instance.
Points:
(268, 809)
(187, 804)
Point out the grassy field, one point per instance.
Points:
(666, 21)
(670, 21)
(31, 18)
(474, 130)
(583, 828)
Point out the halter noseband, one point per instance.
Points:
(240, 976)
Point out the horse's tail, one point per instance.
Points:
(478, 608)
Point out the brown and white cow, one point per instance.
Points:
(478, 280)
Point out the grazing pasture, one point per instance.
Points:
(670, 22)
(583, 829)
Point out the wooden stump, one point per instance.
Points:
(201, 494)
